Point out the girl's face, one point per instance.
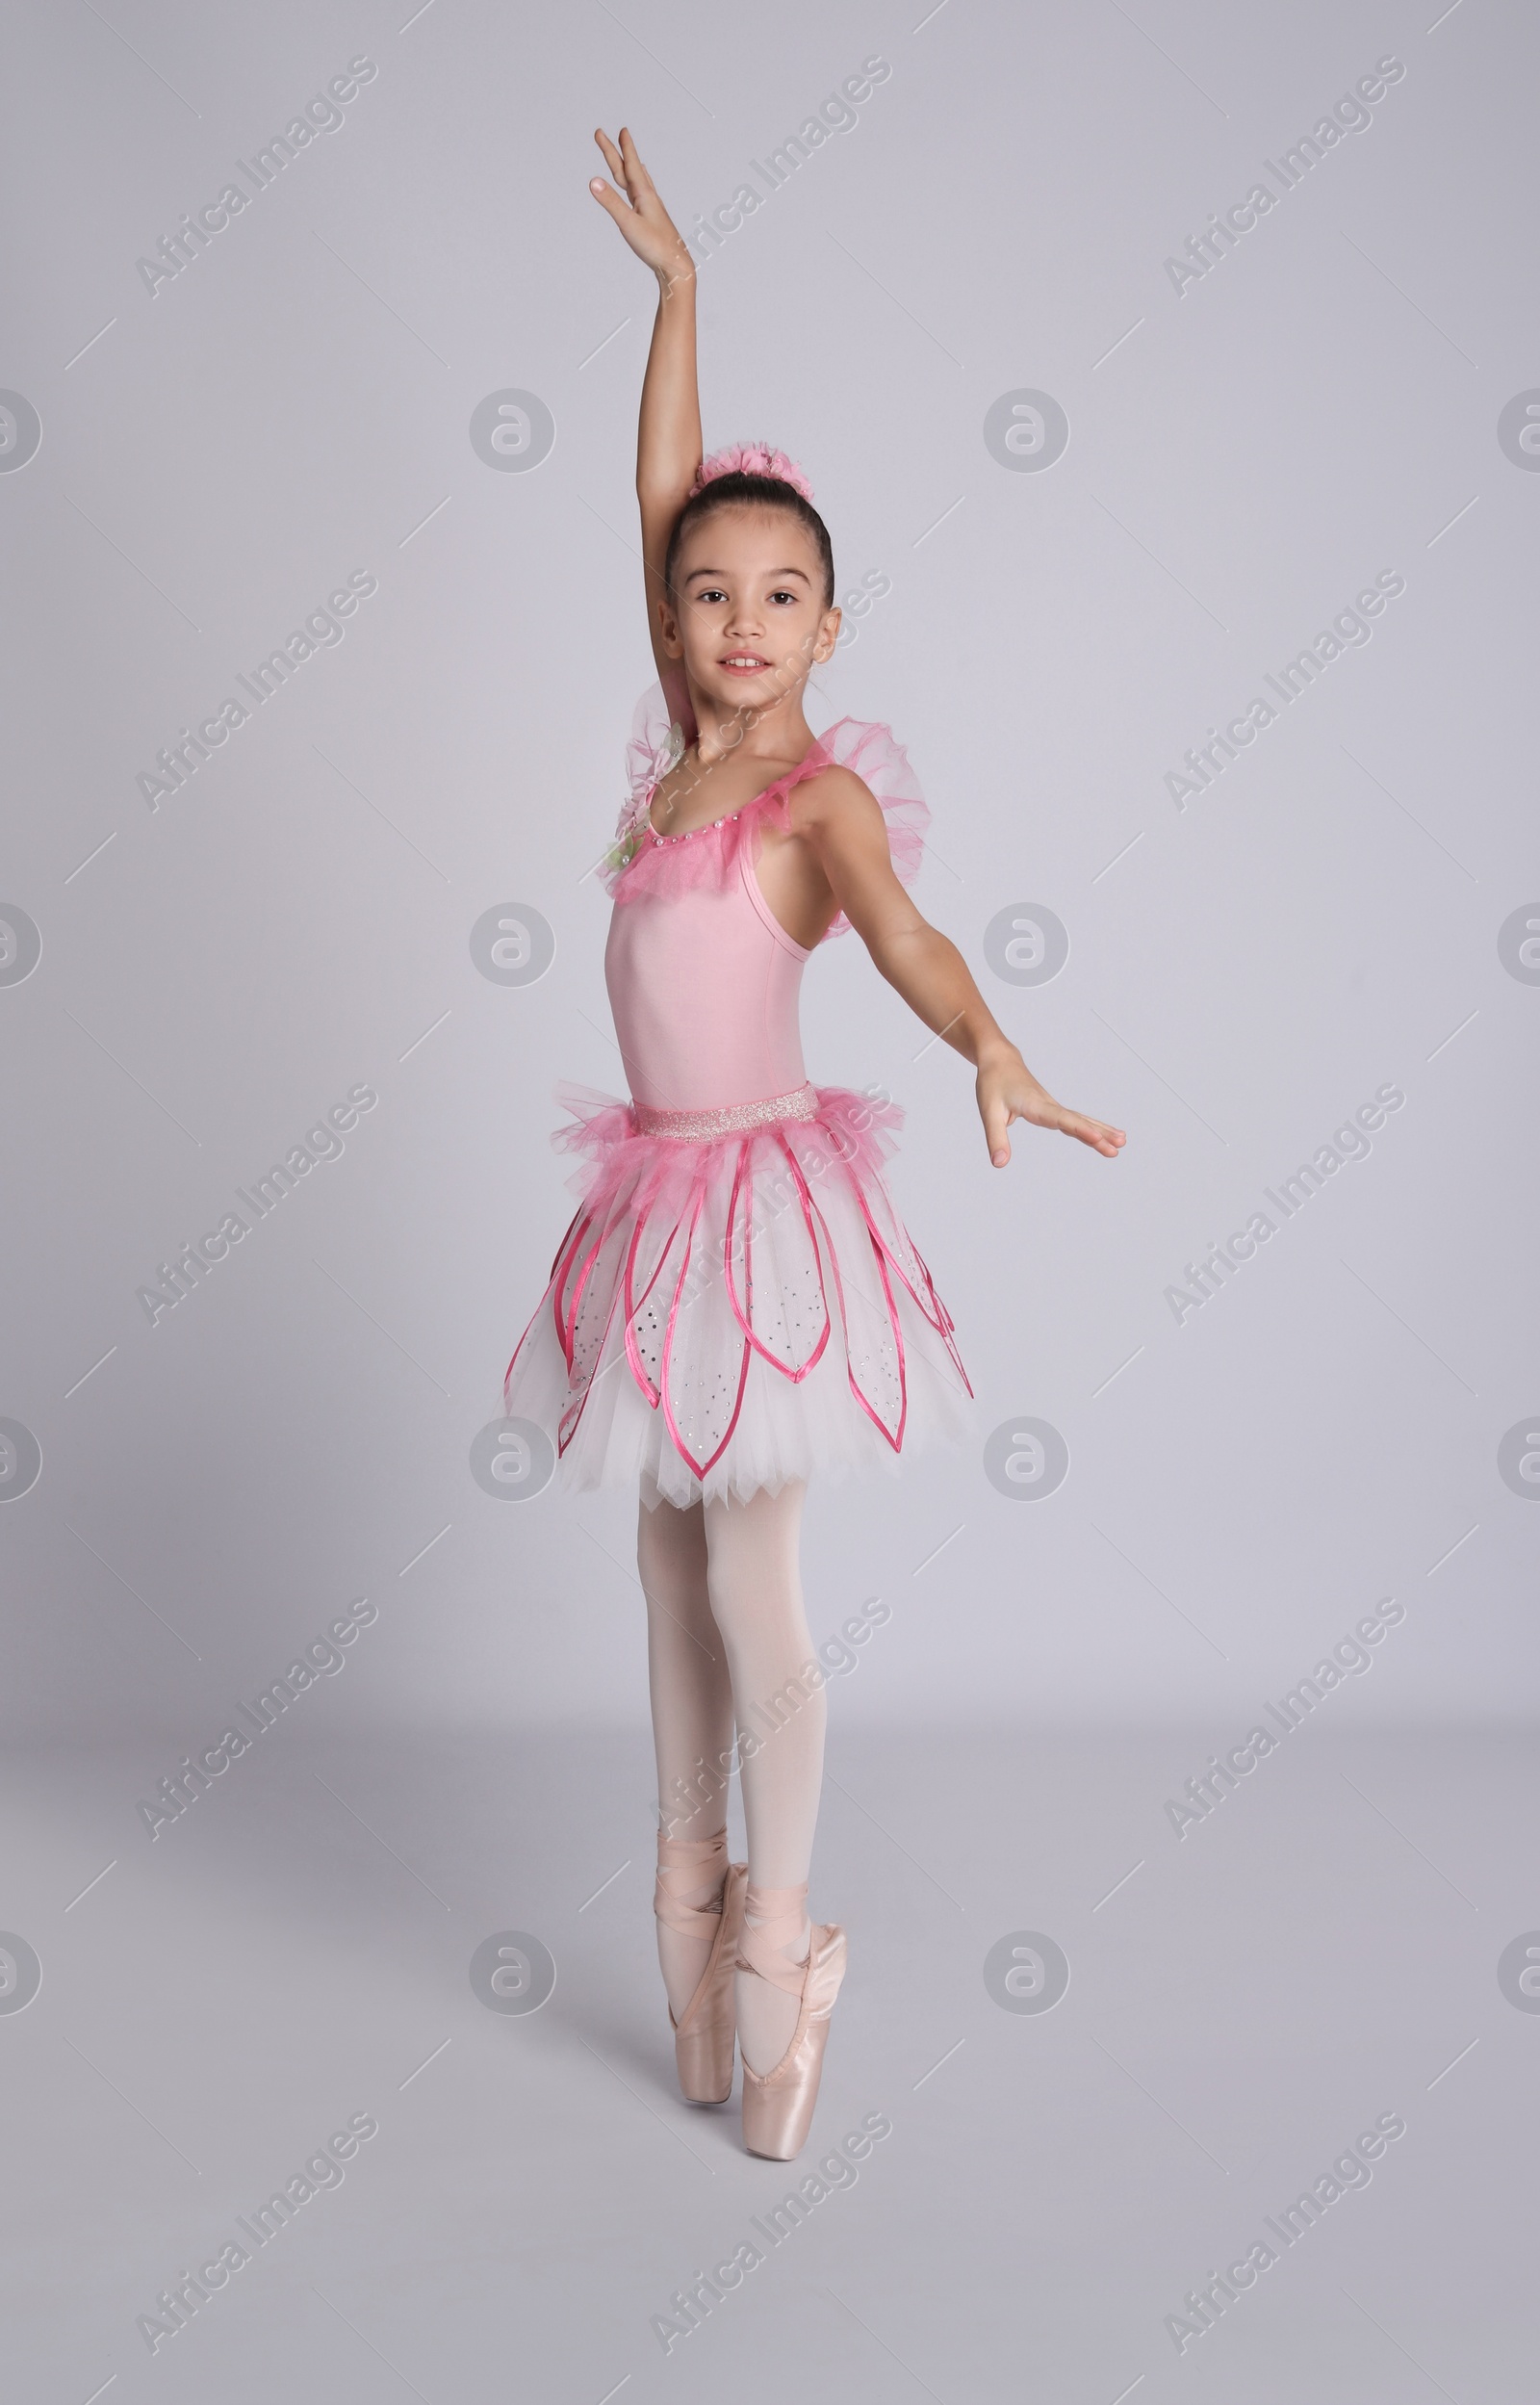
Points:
(747, 616)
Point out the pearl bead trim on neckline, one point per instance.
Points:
(689, 831)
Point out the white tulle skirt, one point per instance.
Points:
(729, 1312)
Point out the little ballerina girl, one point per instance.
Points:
(736, 1302)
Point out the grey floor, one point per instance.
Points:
(1242, 2003)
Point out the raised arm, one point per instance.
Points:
(668, 434)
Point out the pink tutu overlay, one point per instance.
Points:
(642, 865)
(729, 1313)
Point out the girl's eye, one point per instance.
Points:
(713, 593)
(782, 597)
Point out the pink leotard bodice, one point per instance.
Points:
(703, 980)
(704, 987)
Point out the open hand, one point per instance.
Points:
(641, 215)
(1007, 1090)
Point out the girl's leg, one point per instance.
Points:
(755, 1598)
(692, 1714)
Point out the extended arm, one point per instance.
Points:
(846, 832)
(668, 436)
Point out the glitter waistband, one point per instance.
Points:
(700, 1127)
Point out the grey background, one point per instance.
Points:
(1243, 458)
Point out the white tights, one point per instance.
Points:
(726, 1633)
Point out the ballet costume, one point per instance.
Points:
(735, 1303)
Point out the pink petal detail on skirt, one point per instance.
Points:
(879, 1346)
(786, 1283)
(706, 1410)
(635, 1304)
(799, 1312)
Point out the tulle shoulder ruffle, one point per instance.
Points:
(639, 864)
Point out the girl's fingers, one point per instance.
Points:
(1092, 1131)
(642, 207)
(637, 180)
(1043, 1111)
(633, 161)
(618, 166)
(608, 199)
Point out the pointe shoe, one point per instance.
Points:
(705, 2032)
(778, 2105)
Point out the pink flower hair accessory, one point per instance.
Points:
(750, 459)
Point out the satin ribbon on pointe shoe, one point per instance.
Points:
(778, 2105)
(775, 1918)
(690, 1867)
(705, 2032)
